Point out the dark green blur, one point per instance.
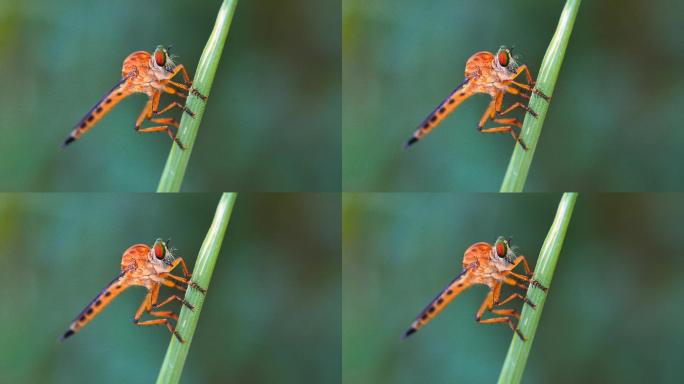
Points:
(612, 315)
(272, 312)
(614, 122)
(272, 120)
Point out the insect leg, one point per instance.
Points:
(517, 92)
(179, 85)
(186, 281)
(518, 105)
(506, 312)
(145, 114)
(186, 79)
(506, 128)
(172, 91)
(489, 113)
(528, 272)
(170, 299)
(146, 306)
(163, 128)
(514, 296)
(504, 319)
(523, 69)
(530, 89)
(186, 273)
(176, 105)
(530, 81)
(163, 322)
(170, 121)
(487, 305)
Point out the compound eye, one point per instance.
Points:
(501, 248)
(504, 57)
(160, 57)
(159, 249)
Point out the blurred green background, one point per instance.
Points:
(272, 312)
(613, 313)
(615, 111)
(272, 120)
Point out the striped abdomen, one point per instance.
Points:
(456, 97)
(96, 306)
(458, 285)
(100, 109)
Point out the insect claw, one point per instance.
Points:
(538, 285)
(178, 336)
(197, 287)
(517, 331)
(197, 93)
(189, 112)
(536, 91)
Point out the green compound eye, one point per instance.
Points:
(501, 247)
(159, 249)
(160, 56)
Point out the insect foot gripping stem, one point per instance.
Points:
(197, 93)
(538, 285)
(197, 287)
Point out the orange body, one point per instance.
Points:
(146, 73)
(487, 265)
(145, 266)
(493, 75)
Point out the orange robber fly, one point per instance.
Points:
(152, 75)
(151, 268)
(494, 75)
(490, 266)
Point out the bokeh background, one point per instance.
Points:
(615, 112)
(272, 313)
(613, 312)
(272, 122)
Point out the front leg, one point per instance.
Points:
(521, 260)
(523, 69)
(180, 68)
(186, 273)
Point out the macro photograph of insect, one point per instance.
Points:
(131, 97)
(532, 288)
(485, 96)
(190, 288)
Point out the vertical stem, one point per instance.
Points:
(519, 166)
(177, 162)
(514, 365)
(172, 367)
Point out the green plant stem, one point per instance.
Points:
(177, 162)
(172, 367)
(514, 365)
(519, 166)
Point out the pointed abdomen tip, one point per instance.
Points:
(66, 334)
(408, 333)
(68, 141)
(410, 142)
